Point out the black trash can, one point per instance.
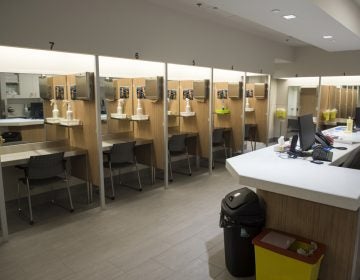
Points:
(242, 217)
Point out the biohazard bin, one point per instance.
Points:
(242, 218)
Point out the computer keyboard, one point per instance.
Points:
(320, 154)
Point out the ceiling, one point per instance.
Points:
(314, 19)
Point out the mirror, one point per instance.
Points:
(25, 102)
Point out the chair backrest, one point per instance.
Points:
(177, 143)
(123, 152)
(218, 136)
(46, 166)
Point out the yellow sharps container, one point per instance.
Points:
(282, 256)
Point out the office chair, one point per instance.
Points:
(177, 146)
(251, 135)
(218, 140)
(120, 156)
(40, 171)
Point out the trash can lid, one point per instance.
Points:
(239, 198)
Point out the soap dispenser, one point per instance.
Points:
(120, 107)
(69, 112)
(187, 107)
(139, 110)
(349, 125)
(55, 111)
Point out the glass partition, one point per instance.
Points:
(132, 107)
(295, 97)
(188, 108)
(256, 123)
(339, 99)
(228, 103)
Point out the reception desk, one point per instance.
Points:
(319, 202)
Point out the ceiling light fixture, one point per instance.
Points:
(327, 37)
(289, 17)
(275, 11)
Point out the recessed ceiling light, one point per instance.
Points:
(327, 37)
(215, 8)
(288, 17)
(275, 11)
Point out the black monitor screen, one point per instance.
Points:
(357, 117)
(306, 132)
(36, 110)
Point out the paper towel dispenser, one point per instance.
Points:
(201, 89)
(107, 89)
(154, 88)
(44, 88)
(84, 86)
(235, 90)
(260, 90)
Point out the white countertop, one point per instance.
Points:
(267, 170)
(20, 122)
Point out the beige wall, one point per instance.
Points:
(123, 27)
(310, 61)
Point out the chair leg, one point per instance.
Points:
(138, 174)
(112, 183)
(69, 193)
(188, 160)
(29, 201)
(18, 197)
(170, 169)
(225, 151)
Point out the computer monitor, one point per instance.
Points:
(36, 110)
(306, 132)
(357, 117)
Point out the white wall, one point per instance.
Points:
(123, 27)
(310, 61)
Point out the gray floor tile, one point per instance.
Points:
(156, 234)
(149, 270)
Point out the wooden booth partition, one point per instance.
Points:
(232, 120)
(152, 128)
(121, 126)
(260, 105)
(308, 101)
(56, 132)
(198, 123)
(173, 106)
(85, 137)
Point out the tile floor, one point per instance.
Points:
(156, 234)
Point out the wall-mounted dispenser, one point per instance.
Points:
(235, 90)
(107, 89)
(44, 88)
(201, 90)
(84, 86)
(260, 90)
(154, 88)
(59, 92)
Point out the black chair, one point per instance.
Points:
(176, 147)
(251, 135)
(218, 140)
(120, 156)
(43, 171)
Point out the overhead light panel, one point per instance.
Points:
(327, 37)
(289, 17)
